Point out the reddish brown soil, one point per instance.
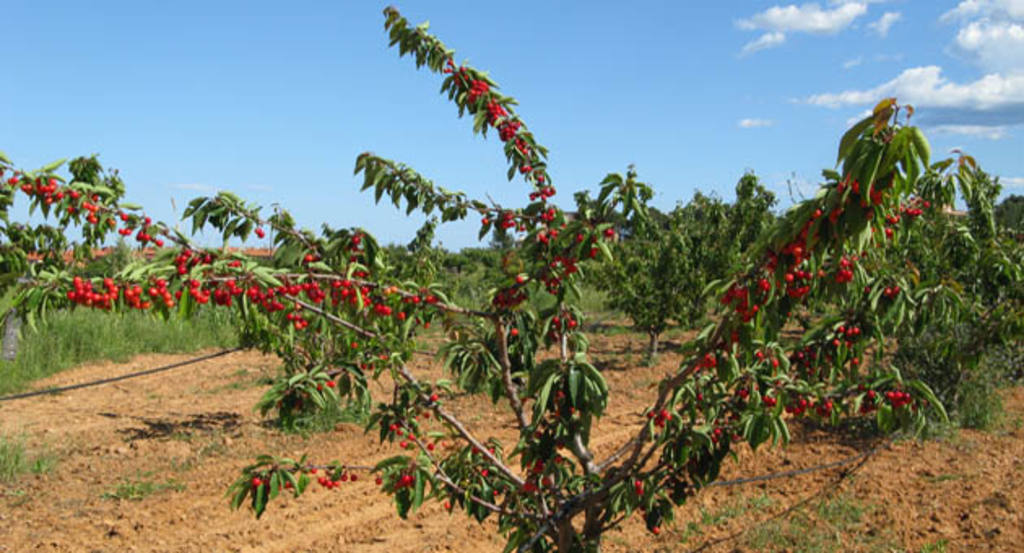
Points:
(191, 429)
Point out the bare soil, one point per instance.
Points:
(175, 440)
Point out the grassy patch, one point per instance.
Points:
(942, 478)
(725, 513)
(325, 420)
(244, 381)
(139, 488)
(609, 329)
(937, 547)
(12, 458)
(832, 525)
(73, 337)
(980, 405)
(15, 459)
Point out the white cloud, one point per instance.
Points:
(993, 132)
(987, 107)
(807, 18)
(776, 21)
(765, 41)
(967, 9)
(994, 45)
(990, 34)
(1012, 182)
(926, 87)
(884, 23)
(754, 123)
(850, 64)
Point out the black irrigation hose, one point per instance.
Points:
(122, 377)
(860, 459)
(799, 472)
(140, 373)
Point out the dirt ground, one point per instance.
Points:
(142, 465)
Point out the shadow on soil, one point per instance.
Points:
(166, 428)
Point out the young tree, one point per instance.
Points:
(334, 312)
(660, 268)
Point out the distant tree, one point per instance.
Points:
(751, 213)
(1009, 214)
(662, 268)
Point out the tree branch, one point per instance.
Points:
(506, 375)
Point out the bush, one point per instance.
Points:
(963, 370)
(1006, 361)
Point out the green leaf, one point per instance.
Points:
(926, 392)
(851, 136)
(243, 491)
(574, 386)
(417, 498)
(921, 145)
(275, 484)
(259, 503)
(403, 501)
(50, 167)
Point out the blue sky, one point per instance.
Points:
(274, 101)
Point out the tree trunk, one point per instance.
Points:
(12, 328)
(652, 344)
(565, 535)
(592, 530)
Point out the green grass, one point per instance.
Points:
(69, 338)
(139, 489)
(942, 478)
(832, 526)
(15, 459)
(12, 458)
(244, 381)
(725, 513)
(325, 420)
(937, 547)
(980, 406)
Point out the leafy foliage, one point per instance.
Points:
(662, 267)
